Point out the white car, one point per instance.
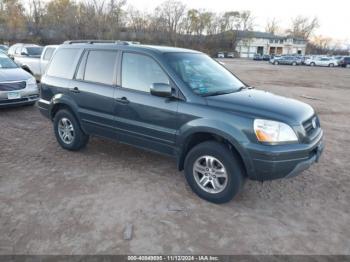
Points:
(322, 61)
(32, 58)
(17, 87)
(221, 55)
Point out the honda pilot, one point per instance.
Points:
(181, 103)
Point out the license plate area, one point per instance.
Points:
(13, 95)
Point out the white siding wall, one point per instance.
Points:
(249, 47)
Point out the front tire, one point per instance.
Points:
(312, 64)
(213, 172)
(331, 65)
(68, 132)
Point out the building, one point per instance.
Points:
(249, 43)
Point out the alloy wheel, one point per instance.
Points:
(210, 174)
(66, 130)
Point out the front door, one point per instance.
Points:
(93, 90)
(143, 119)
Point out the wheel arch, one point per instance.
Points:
(210, 134)
(61, 101)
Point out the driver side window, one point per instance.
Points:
(139, 72)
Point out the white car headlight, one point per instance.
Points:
(31, 82)
(273, 131)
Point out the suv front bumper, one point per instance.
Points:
(283, 161)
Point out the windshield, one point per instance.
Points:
(34, 51)
(202, 74)
(6, 62)
(3, 47)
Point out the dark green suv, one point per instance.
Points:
(181, 103)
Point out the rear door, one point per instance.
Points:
(141, 118)
(324, 61)
(93, 90)
(33, 63)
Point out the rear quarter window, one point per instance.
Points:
(48, 53)
(64, 62)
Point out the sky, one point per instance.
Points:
(333, 15)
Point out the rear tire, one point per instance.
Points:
(331, 65)
(213, 172)
(312, 64)
(294, 64)
(275, 63)
(68, 132)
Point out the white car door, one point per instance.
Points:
(324, 61)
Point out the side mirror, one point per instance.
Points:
(161, 89)
(24, 53)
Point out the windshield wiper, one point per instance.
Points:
(245, 87)
(221, 92)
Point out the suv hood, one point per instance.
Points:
(257, 103)
(13, 74)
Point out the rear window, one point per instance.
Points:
(33, 51)
(63, 63)
(100, 66)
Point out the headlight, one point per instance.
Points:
(31, 83)
(273, 131)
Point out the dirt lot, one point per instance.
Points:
(58, 202)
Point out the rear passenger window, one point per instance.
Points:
(140, 71)
(63, 63)
(100, 67)
(48, 53)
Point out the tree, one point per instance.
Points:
(197, 21)
(115, 16)
(138, 21)
(245, 21)
(322, 41)
(229, 21)
(303, 27)
(13, 18)
(171, 12)
(272, 26)
(35, 17)
(61, 17)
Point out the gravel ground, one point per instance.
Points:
(111, 198)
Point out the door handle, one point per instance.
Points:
(122, 100)
(75, 90)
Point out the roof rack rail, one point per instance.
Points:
(119, 42)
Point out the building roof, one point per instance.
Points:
(265, 35)
(256, 34)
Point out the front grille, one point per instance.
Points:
(12, 86)
(4, 102)
(311, 125)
